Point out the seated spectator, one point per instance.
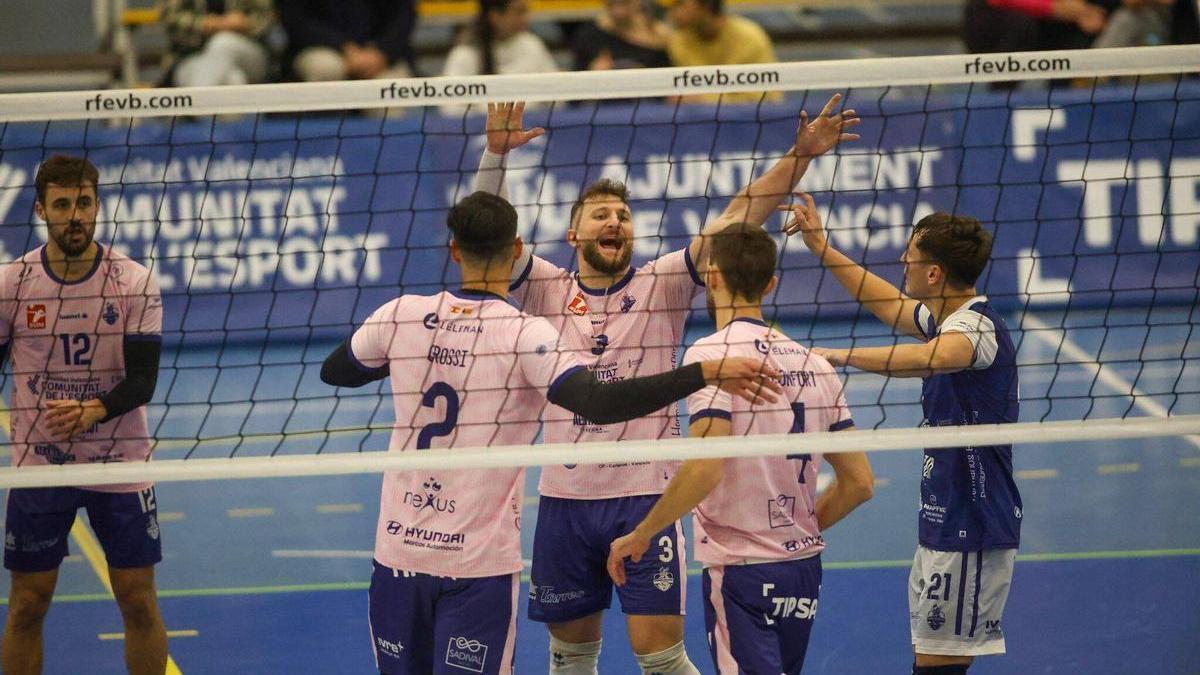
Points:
(624, 35)
(1028, 25)
(348, 39)
(1139, 23)
(500, 42)
(706, 36)
(217, 42)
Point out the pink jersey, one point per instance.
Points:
(67, 342)
(763, 508)
(632, 329)
(467, 370)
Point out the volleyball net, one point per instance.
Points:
(277, 217)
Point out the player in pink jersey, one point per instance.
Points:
(84, 326)
(758, 520)
(623, 322)
(470, 370)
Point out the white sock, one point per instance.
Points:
(573, 658)
(670, 661)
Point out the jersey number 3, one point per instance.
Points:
(446, 426)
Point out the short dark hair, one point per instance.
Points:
(484, 225)
(717, 7)
(958, 243)
(745, 255)
(604, 187)
(67, 171)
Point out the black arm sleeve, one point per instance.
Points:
(341, 370)
(141, 376)
(609, 402)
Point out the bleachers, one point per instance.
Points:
(129, 41)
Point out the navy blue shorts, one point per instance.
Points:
(569, 579)
(759, 616)
(426, 624)
(39, 521)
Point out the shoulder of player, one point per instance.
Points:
(975, 315)
(714, 345)
(540, 269)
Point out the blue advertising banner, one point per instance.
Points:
(302, 227)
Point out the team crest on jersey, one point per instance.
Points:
(35, 316)
(627, 303)
(110, 314)
(936, 618)
(578, 305)
(664, 580)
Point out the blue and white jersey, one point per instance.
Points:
(969, 500)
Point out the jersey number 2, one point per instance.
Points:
(443, 428)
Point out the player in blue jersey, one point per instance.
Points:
(970, 518)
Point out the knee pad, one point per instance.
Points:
(573, 658)
(671, 661)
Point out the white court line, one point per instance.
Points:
(1128, 467)
(1035, 474)
(882, 482)
(321, 553)
(1074, 352)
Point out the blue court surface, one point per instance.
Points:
(269, 576)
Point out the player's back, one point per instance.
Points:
(763, 508)
(467, 369)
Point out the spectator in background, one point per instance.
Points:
(1026, 25)
(500, 42)
(624, 35)
(1150, 22)
(348, 39)
(216, 42)
(706, 36)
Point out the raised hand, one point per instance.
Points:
(506, 127)
(826, 131)
(806, 221)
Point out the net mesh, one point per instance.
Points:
(276, 218)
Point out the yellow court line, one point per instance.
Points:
(87, 543)
(250, 512)
(339, 508)
(1190, 461)
(188, 632)
(1129, 467)
(1035, 474)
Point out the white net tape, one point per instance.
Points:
(877, 440)
(616, 84)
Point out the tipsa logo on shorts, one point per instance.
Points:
(466, 654)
